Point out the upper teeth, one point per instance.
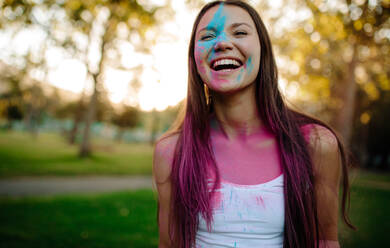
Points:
(226, 62)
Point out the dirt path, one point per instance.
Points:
(30, 186)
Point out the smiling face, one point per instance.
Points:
(227, 48)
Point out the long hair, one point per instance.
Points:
(194, 160)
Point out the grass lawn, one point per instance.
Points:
(116, 220)
(49, 154)
(128, 219)
(370, 214)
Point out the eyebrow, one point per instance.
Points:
(234, 25)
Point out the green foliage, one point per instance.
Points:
(70, 109)
(336, 60)
(322, 48)
(14, 112)
(127, 118)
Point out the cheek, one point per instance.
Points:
(256, 64)
(253, 62)
(200, 64)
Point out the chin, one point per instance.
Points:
(227, 87)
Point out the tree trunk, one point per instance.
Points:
(31, 121)
(85, 149)
(73, 131)
(76, 121)
(343, 120)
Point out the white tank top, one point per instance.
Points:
(245, 216)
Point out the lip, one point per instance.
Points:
(225, 57)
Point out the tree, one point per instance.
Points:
(127, 118)
(335, 54)
(109, 15)
(11, 95)
(75, 111)
(102, 24)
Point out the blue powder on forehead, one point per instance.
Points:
(218, 24)
(218, 21)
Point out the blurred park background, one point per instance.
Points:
(86, 87)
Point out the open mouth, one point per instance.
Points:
(225, 64)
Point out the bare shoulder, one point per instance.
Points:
(318, 136)
(323, 146)
(162, 166)
(163, 157)
(327, 167)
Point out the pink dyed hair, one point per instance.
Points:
(194, 161)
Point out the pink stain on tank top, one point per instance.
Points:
(260, 201)
(217, 200)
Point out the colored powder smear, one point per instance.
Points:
(217, 200)
(248, 65)
(217, 24)
(260, 201)
(240, 74)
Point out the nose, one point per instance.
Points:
(222, 45)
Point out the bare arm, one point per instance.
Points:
(162, 161)
(327, 172)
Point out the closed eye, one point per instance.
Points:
(207, 37)
(240, 33)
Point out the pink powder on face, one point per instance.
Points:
(199, 61)
(218, 79)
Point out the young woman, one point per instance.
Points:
(241, 168)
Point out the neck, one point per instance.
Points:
(236, 113)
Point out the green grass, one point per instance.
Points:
(49, 154)
(365, 175)
(370, 214)
(124, 219)
(128, 219)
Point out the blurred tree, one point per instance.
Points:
(169, 116)
(127, 118)
(372, 132)
(13, 113)
(72, 110)
(11, 94)
(35, 102)
(93, 31)
(105, 17)
(334, 54)
(22, 96)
